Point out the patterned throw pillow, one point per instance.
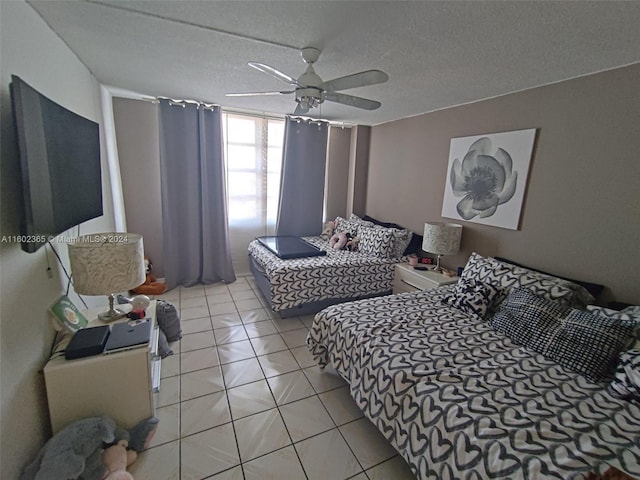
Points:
(528, 319)
(626, 381)
(589, 344)
(506, 277)
(375, 241)
(353, 218)
(576, 339)
(471, 297)
(345, 226)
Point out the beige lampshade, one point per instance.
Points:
(106, 263)
(442, 238)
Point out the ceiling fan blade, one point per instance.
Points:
(275, 73)
(369, 77)
(352, 101)
(301, 109)
(257, 94)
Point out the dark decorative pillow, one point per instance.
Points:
(528, 319)
(375, 241)
(626, 381)
(589, 344)
(471, 297)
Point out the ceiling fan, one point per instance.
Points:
(310, 90)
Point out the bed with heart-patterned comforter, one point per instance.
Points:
(460, 401)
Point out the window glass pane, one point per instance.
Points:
(243, 183)
(241, 157)
(241, 130)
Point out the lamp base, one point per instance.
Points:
(437, 268)
(112, 314)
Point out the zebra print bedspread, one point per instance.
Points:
(339, 274)
(459, 400)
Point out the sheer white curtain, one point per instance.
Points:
(253, 158)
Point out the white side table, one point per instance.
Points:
(408, 279)
(118, 384)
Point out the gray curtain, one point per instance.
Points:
(194, 210)
(302, 181)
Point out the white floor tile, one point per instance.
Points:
(230, 334)
(247, 305)
(198, 359)
(323, 379)
(201, 382)
(290, 387)
(244, 371)
(170, 366)
(303, 357)
(196, 341)
(260, 434)
(191, 292)
(279, 465)
(366, 441)
(199, 301)
(251, 398)
(340, 405)
(305, 418)
(222, 308)
(286, 324)
(395, 468)
(234, 473)
(169, 392)
(168, 425)
(327, 456)
(268, 343)
(232, 352)
(278, 363)
(209, 452)
(159, 463)
(203, 413)
(221, 297)
(260, 328)
(295, 338)
(196, 325)
(195, 312)
(255, 315)
(239, 295)
(226, 320)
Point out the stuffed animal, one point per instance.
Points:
(327, 230)
(151, 286)
(76, 451)
(352, 245)
(339, 240)
(65, 454)
(117, 458)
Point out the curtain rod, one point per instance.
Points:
(248, 113)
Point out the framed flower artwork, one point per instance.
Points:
(487, 176)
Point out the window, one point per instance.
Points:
(253, 156)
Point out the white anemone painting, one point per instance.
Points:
(487, 176)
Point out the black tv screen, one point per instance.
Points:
(60, 165)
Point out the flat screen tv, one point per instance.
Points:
(60, 166)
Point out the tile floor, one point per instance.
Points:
(241, 398)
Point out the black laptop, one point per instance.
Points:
(130, 334)
(289, 246)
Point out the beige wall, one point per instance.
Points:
(581, 215)
(33, 52)
(138, 143)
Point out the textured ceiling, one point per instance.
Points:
(437, 54)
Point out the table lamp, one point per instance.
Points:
(106, 264)
(441, 239)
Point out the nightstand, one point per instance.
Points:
(408, 279)
(119, 384)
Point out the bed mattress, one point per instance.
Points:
(459, 400)
(338, 274)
